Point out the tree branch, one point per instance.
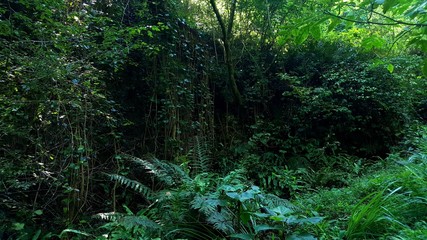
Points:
(231, 17)
(393, 23)
(219, 18)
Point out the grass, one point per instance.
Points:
(387, 204)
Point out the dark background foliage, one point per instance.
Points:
(86, 84)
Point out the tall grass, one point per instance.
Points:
(373, 215)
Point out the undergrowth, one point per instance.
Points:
(386, 204)
(388, 201)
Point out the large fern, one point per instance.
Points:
(128, 225)
(216, 211)
(168, 173)
(133, 184)
(200, 156)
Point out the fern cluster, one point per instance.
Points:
(190, 204)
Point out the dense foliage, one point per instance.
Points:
(213, 119)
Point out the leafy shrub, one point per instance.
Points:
(336, 95)
(59, 125)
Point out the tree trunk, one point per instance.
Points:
(226, 37)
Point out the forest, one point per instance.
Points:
(213, 119)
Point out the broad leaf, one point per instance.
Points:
(281, 210)
(233, 195)
(301, 237)
(246, 196)
(260, 228)
(245, 236)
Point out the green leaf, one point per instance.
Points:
(229, 188)
(245, 217)
(260, 228)
(233, 195)
(281, 210)
(372, 42)
(315, 32)
(301, 38)
(390, 68)
(389, 4)
(262, 215)
(150, 34)
(279, 218)
(38, 212)
(37, 234)
(311, 220)
(81, 149)
(18, 226)
(73, 231)
(333, 24)
(413, 12)
(246, 196)
(301, 237)
(246, 236)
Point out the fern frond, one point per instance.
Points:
(215, 210)
(206, 204)
(236, 177)
(138, 221)
(272, 201)
(168, 173)
(200, 155)
(110, 216)
(222, 221)
(179, 174)
(135, 185)
(128, 221)
(155, 167)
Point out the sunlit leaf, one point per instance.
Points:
(389, 4)
(390, 68)
(373, 42)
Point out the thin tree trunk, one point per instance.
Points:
(226, 37)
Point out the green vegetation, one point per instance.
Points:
(213, 119)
